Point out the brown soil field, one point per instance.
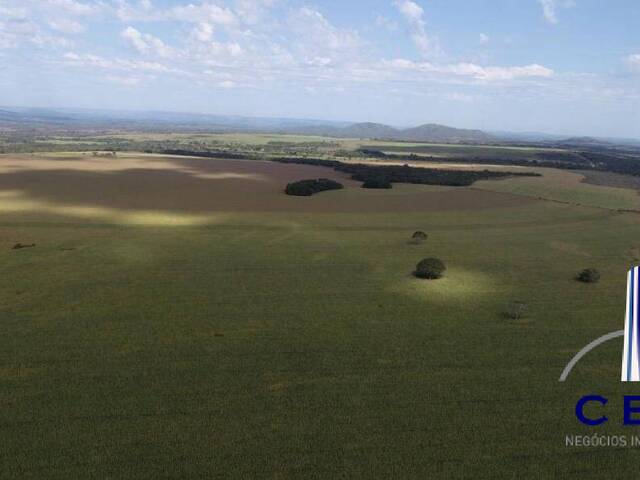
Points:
(185, 184)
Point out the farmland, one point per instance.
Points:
(182, 317)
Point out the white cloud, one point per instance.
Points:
(205, 12)
(414, 15)
(16, 32)
(253, 11)
(301, 49)
(134, 37)
(471, 70)
(203, 32)
(386, 23)
(550, 8)
(140, 11)
(219, 52)
(72, 7)
(634, 61)
(317, 38)
(50, 41)
(13, 12)
(95, 61)
(66, 26)
(145, 43)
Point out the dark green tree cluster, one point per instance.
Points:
(406, 173)
(306, 188)
(425, 176)
(430, 268)
(377, 182)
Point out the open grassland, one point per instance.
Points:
(568, 186)
(167, 341)
(238, 138)
(589, 188)
(461, 151)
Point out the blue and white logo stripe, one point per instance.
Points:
(631, 355)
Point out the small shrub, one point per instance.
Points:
(430, 268)
(516, 310)
(588, 275)
(418, 237)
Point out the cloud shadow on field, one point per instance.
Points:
(164, 185)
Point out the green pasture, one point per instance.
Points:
(566, 186)
(300, 346)
(462, 151)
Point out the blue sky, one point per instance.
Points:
(557, 66)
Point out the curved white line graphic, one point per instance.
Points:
(587, 349)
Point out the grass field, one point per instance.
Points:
(568, 186)
(462, 151)
(149, 336)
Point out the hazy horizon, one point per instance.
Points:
(559, 67)
(560, 134)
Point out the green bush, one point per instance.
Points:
(418, 237)
(430, 268)
(588, 275)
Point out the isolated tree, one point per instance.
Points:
(516, 309)
(430, 268)
(588, 275)
(418, 237)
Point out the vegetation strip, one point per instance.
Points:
(379, 176)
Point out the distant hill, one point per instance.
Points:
(370, 130)
(61, 120)
(85, 119)
(91, 120)
(8, 115)
(424, 133)
(433, 132)
(584, 142)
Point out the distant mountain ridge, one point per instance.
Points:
(584, 142)
(430, 132)
(79, 119)
(435, 132)
(59, 120)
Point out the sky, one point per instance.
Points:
(555, 66)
